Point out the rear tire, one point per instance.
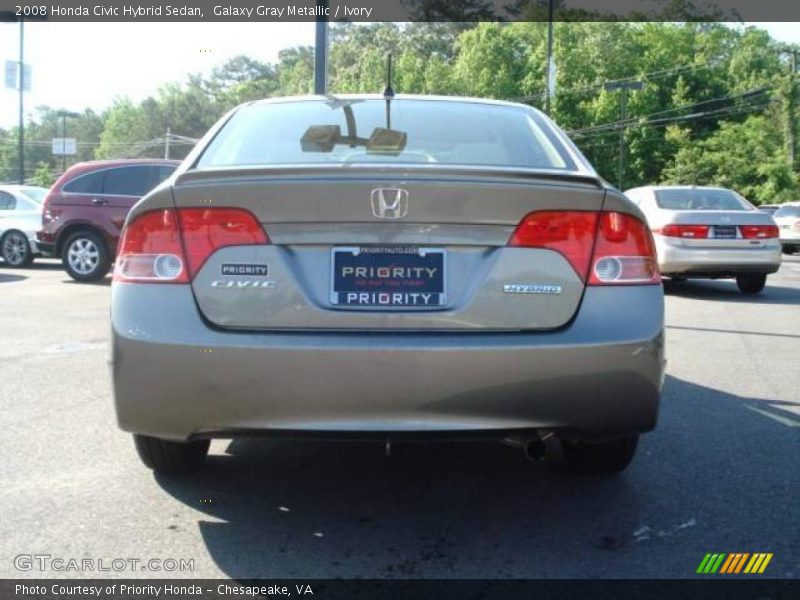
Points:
(598, 458)
(16, 250)
(85, 256)
(751, 283)
(170, 458)
(787, 249)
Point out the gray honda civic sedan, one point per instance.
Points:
(387, 268)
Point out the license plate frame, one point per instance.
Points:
(412, 296)
(725, 232)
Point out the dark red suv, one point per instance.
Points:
(85, 209)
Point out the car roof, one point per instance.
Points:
(120, 162)
(432, 98)
(681, 187)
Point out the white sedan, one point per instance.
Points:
(710, 232)
(20, 219)
(788, 219)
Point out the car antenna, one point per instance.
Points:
(388, 92)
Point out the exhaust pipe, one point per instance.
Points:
(535, 450)
(535, 447)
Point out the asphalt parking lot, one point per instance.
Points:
(721, 473)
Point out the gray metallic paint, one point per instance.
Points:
(595, 368)
(175, 376)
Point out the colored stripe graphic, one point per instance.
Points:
(728, 562)
(703, 563)
(714, 566)
(765, 563)
(741, 562)
(734, 562)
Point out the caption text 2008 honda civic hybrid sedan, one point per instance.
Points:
(387, 268)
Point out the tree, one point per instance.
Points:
(43, 176)
(747, 157)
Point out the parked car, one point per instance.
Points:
(710, 232)
(20, 218)
(358, 266)
(768, 208)
(86, 208)
(788, 220)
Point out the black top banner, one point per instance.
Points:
(403, 10)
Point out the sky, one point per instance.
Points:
(80, 65)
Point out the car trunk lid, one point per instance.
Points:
(385, 235)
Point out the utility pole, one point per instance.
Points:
(623, 87)
(791, 107)
(21, 102)
(166, 144)
(550, 83)
(64, 114)
(321, 50)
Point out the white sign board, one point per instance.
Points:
(26, 82)
(63, 146)
(11, 76)
(12, 67)
(551, 77)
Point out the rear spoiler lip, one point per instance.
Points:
(346, 171)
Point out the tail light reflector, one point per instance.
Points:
(624, 252)
(605, 248)
(570, 233)
(684, 231)
(151, 250)
(758, 232)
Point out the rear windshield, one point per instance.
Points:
(36, 194)
(700, 199)
(453, 133)
(787, 211)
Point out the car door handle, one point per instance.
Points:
(99, 201)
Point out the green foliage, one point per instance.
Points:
(43, 176)
(748, 157)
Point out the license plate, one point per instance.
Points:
(725, 232)
(388, 277)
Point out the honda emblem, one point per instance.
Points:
(389, 203)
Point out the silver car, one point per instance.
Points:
(20, 219)
(787, 218)
(710, 232)
(387, 268)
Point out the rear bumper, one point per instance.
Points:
(677, 259)
(175, 377)
(790, 237)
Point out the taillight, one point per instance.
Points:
(624, 252)
(796, 225)
(570, 233)
(684, 231)
(623, 247)
(758, 232)
(151, 250)
(49, 213)
(205, 230)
